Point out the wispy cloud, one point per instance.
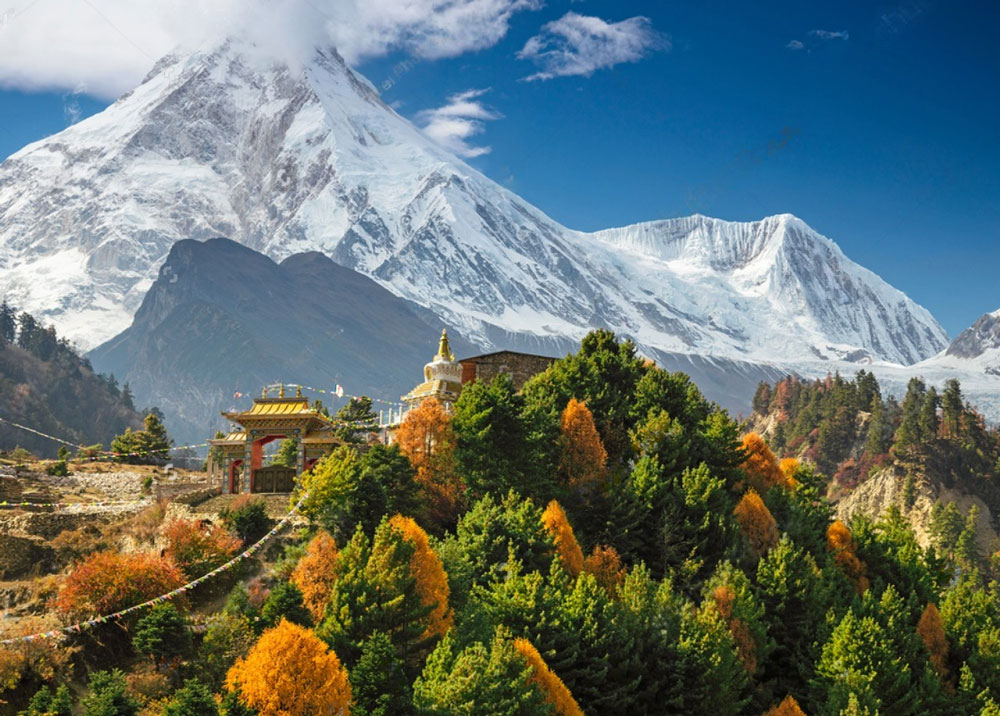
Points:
(580, 45)
(454, 124)
(106, 47)
(817, 38)
(830, 35)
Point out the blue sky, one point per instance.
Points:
(881, 130)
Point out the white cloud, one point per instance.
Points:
(104, 47)
(579, 45)
(829, 35)
(453, 125)
(795, 45)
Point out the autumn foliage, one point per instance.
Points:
(555, 522)
(746, 648)
(428, 440)
(789, 466)
(198, 548)
(931, 631)
(427, 569)
(606, 566)
(841, 543)
(788, 707)
(109, 581)
(316, 572)
(761, 466)
(583, 457)
(756, 522)
(291, 672)
(553, 689)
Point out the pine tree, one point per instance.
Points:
(478, 680)
(288, 453)
(931, 631)
(910, 434)
(8, 323)
(376, 590)
(431, 580)
(356, 421)
(379, 685)
(492, 444)
(162, 633)
(109, 696)
(127, 397)
(193, 699)
(952, 407)
(879, 438)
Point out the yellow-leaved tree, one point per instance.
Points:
(761, 466)
(788, 707)
(756, 523)
(426, 437)
(606, 566)
(555, 522)
(291, 672)
(789, 466)
(841, 543)
(553, 690)
(583, 458)
(746, 647)
(316, 572)
(428, 571)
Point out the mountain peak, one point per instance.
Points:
(287, 159)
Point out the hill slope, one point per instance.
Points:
(222, 318)
(51, 389)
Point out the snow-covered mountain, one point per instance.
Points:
(227, 143)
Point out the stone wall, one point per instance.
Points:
(519, 366)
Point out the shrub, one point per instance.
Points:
(284, 602)
(44, 703)
(228, 637)
(58, 469)
(162, 633)
(246, 516)
(107, 581)
(35, 660)
(198, 548)
(109, 696)
(194, 699)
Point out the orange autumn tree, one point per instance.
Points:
(756, 523)
(558, 526)
(105, 582)
(426, 437)
(789, 466)
(761, 466)
(840, 541)
(788, 707)
(553, 690)
(583, 457)
(316, 572)
(606, 566)
(931, 631)
(198, 548)
(428, 571)
(746, 647)
(291, 672)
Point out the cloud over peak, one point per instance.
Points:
(454, 124)
(580, 45)
(105, 47)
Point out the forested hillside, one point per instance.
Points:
(851, 432)
(605, 542)
(46, 385)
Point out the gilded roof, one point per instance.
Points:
(271, 407)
